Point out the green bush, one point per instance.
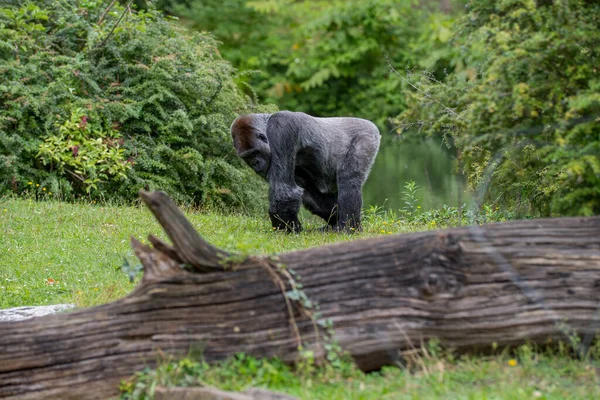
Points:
(523, 110)
(86, 109)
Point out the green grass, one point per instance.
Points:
(53, 252)
(521, 374)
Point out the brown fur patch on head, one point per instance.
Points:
(241, 132)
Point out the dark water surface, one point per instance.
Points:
(429, 163)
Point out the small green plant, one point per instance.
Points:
(491, 213)
(131, 266)
(84, 152)
(373, 214)
(239, 372)
(410, 197)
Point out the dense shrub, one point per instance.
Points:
(524, 111)
(85, 110)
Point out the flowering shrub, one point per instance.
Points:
(85, 152)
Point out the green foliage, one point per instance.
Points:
(324, 57)
(158, 103)
(242, 29)
(242, 369)
(84, 150)
(523, 109)
(338, 64)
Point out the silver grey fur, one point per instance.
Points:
(319, 162)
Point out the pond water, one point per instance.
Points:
(429, 163)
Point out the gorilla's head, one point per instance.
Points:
(249, 134)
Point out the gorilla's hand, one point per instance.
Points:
(285, 201)
(289, 224)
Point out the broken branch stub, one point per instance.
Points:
(189, 246)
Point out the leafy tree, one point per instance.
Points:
(154, 102)
(523, 111)
(324, 57)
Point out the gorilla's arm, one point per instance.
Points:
(285, 196)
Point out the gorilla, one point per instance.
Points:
(321, 163)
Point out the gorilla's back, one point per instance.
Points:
(325, 143)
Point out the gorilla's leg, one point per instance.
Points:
(323, 205)
(351, 176)
(350, 203)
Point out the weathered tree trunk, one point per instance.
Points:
(468, 287)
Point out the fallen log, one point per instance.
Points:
(468, 287)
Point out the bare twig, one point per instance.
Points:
(451, 111)
(217, 91)
(115, 25)
(74, 175)
(106, 12)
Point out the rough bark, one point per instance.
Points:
(468, 287)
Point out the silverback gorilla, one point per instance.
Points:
(321, 163)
